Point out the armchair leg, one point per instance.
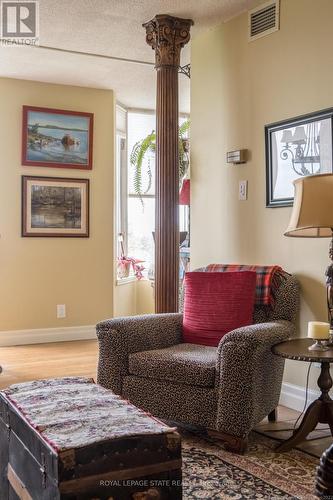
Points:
(272, 416)
(232, 443)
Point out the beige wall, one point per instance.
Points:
(237, 88)
(38, 273)
(125, 299)
(135, 297)
(144, 297)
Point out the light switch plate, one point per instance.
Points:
(61, 311)
(242, 191)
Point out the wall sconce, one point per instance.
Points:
(239, 156)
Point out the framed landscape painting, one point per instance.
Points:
(57, 138)
(55, 207)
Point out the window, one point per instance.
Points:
(136, 190)
(141, 209)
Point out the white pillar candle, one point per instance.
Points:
(318, 330)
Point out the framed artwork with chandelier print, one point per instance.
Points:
(296, 148)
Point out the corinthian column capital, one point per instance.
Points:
(167, 35)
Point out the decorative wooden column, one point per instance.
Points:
(167, 35)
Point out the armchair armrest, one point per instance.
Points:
(269, 334)
(120, 337)
(250, 374)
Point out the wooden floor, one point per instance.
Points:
(32, 362)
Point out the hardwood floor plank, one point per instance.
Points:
(61, 359)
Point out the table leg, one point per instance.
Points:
(320, 411)
(325, 382)
(329, 415)
(272, 416)
(309, 422)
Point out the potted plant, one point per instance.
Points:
(125, 263)
(145, 148)
(124, 266)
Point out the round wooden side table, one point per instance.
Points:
(321, 410)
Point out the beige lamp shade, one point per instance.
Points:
(287, 136)
(312, 214)
(299, 135)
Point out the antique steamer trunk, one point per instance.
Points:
(72, 439)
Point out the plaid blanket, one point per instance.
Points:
(268, 279)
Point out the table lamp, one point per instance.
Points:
(312, 217)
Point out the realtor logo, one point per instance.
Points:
(19, 23)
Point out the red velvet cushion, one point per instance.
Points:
(216, 303)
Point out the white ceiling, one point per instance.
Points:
(111, 28)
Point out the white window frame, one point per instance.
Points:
(121, 182)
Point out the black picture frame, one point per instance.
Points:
(273, 132)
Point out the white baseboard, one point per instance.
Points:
(293, 396)
(42, 335)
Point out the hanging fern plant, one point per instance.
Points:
(146, 148)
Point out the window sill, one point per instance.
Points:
(125, 281)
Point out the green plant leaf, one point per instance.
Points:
(148, 145)
(137, 156)
(184, 128)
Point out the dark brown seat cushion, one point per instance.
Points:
(188, 364)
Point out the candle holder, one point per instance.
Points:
(319, 345)
(329, 342)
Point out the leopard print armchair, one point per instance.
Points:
(226, 389)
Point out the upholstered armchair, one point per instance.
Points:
(226, 389)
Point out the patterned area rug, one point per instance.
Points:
(210, 472)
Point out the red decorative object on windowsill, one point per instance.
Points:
(124, 265)
(185, 193)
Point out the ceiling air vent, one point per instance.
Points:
(264, 20)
